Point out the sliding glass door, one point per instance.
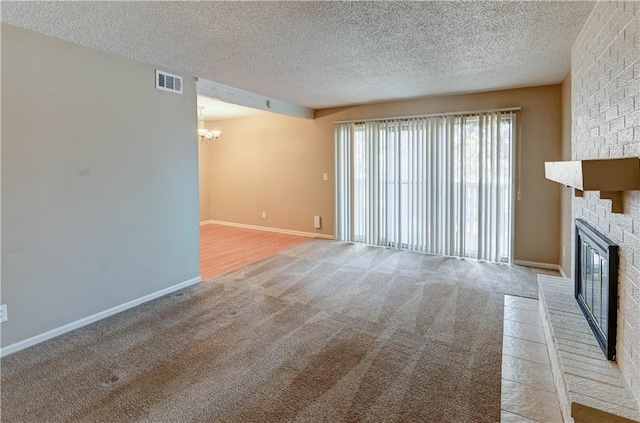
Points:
(440, 185)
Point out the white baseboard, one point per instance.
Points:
(266, 229)
(94, 318)
(538, 265)
(564, 275)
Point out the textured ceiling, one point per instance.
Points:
(321, 54)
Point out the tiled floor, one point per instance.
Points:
(528, 393)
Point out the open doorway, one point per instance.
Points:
(231, 191)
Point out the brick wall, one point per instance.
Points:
(605, 66)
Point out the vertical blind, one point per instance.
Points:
(439, 185)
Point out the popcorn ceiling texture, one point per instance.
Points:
(605, 67)
(322, 54)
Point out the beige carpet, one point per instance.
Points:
(323, 332)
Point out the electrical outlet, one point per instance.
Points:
(264, 214)
(316, 222)
(3, 313)
(325, 177)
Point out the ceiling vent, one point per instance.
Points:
(168, 82)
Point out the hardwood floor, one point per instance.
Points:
(225, 248)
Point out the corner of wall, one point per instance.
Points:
(566, 244)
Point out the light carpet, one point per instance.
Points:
(322, 332)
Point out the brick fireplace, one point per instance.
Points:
(605, 100)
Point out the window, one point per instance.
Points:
(440, 185)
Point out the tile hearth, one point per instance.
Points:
(528, 391)
(591, 388)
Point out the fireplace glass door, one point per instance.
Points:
(596, 284)
(593, 285)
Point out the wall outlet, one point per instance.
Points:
(316, 222)
(325, 177)
(3, 313)
(264, 214)
(563, 251)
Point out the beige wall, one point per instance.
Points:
(271, 163)
(275, 163)
(606, 117)
(99, 183)
(567, 193)
(204, 188)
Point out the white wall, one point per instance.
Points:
(605, 81)
(99, 183)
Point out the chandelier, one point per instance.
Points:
(205, 135)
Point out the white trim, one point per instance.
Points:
(250, 99)
(564, 275)
(94, 318)
(266, 229)
(538, 265)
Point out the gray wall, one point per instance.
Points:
(99, 183)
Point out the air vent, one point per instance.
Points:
(168, 82)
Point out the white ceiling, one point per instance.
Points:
(215, 109)
(322, 54)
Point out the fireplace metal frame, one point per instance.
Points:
(609, 250)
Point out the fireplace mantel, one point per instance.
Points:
(609, 176)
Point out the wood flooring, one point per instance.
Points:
(226, 248)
